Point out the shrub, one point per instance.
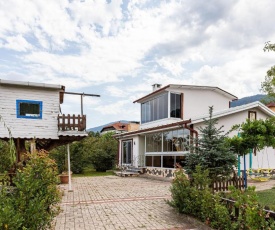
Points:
(6, 159)
(251, 214)
(196, 199)
(102, 160)
(34, 202)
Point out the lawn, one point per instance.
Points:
(267, 198)
(93, 172)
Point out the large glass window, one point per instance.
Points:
(155, 109)
(154, 142)
(177, 140)
(29, 109)
(175, 105)
(127, 152)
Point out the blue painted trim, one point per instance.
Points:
(40, 103)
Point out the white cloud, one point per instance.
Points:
(17, 43)
(120, 48)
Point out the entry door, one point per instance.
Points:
(127, 149)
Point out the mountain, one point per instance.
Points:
(246, 100)
(98, 128)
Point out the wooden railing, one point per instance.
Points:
(71, 122)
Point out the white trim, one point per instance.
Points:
(180, 153)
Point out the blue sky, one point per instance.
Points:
(118, 49)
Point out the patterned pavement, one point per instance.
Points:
(115, 203)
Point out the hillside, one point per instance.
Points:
(246, 100)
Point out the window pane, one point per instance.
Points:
(149, 161)
(175, 105)
(168, 161)
(149, 143)
(157, 161)
(143, 113)
(167, 141)
(127, 152)
(157, 139)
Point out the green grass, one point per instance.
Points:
(93, 172)
(267, 198)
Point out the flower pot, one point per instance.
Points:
(64, 178)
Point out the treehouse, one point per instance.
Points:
(32, 112)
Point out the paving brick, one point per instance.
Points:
(113, 202)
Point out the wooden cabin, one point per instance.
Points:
(31, 111)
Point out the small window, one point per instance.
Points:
(29, 109)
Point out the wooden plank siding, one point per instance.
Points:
(29, 128)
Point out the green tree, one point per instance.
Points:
(5, 159)
(212, 151)
(101, 150)
(253, 134)
(268, 86)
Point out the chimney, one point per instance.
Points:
(156, 87)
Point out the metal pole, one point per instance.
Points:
(250, 160)
(82, 104)
(244, 169)
(239, 165)
(69, 168)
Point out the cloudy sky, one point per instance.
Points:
(119, 48)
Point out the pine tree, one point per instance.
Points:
(212, 151)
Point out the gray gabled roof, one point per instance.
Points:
(233, 110)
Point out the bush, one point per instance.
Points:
(102, 160)
(78, 158)
(6, 159)
(34, 202)
(102, 151)
(196, 199)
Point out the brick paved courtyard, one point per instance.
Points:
(113, 202)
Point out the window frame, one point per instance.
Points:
(40, 103)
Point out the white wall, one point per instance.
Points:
(197, 102)
(29, 128)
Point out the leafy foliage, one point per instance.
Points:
(212, 151)
(101, 151)
(34, 202)
(197, 200)
(5, 159)
(253, 134)
(96, 150)
(268, 86)
(251, 214)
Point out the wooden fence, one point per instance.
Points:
(71, 122)
(237, 182)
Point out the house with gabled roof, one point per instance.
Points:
(120, 127)
(170, 118)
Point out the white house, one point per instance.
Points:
(31, 111)
(170, 116)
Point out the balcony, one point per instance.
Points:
(71, 122)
